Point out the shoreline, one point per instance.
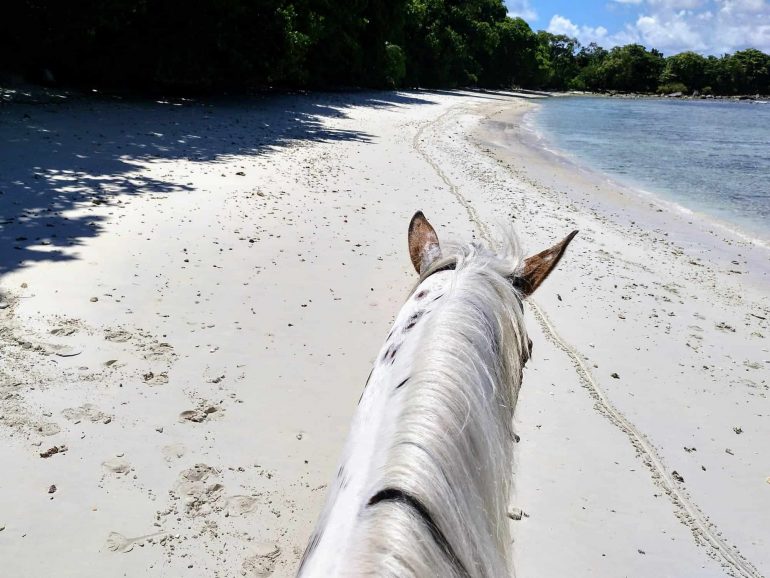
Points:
(531, 137)
(751, 98)
(202, 290)
(511, 138)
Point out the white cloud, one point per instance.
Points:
(677, 4)
(587, 34)
(673, 34)
(742, 6)
(706, 26)
(522, 9)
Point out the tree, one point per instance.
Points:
(631, 68)
(556, 60)
(589, 60)
(750, 71)
(512, 62)
(688, 68)
(446, 41)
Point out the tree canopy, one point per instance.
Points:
(244, 44)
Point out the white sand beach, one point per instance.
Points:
(192, 295)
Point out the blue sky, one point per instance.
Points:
(705, 26)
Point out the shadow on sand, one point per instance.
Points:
(65, 155)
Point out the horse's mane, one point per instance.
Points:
(504, 261)
(445, 484)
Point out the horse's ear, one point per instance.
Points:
(537, 267)
(423, 243)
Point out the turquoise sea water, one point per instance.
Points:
(708, 157)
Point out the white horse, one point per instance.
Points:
(423, 485)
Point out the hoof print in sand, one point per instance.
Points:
(64, 350)
(159, 352)
(262, 563)
(117, 335)
(155, 378)
(199, 490)
(48, 429)
(203, 412)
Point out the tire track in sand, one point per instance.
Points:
(686, 511)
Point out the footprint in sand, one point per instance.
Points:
(117, 466)
(262, 563)
(48, 429)
(117, 335)
(240, 505)
(64, 331)
(63, 350)
(87, 412)
(199, 490)
(160, 352)
(173, 451)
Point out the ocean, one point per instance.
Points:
(709, 157)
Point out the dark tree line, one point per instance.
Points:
(633, 68)
(244, 44)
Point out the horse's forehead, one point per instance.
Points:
(436, 282)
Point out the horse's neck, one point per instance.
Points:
(426, 469)
(371, 435)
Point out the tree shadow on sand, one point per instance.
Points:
(64, 156)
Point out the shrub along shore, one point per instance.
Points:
(675, 95)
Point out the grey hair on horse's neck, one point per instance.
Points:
(426, 471)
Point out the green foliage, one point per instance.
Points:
(395, 65)
(631, 68)
(750, 71)
(589, 60)
(687, 68)
(512, 62)
(556, 60)
(240, 44)
(448, 42)
(745, 72)
(672, 87)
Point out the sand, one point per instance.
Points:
(192, 295)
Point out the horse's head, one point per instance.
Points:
(424, 483)
(425, 250)
(524, 275)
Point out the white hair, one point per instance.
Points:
(424, 485)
